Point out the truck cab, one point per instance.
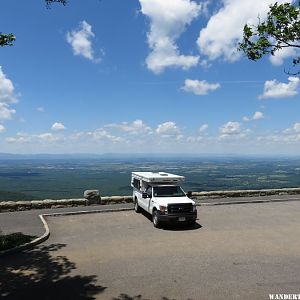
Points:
(160, 194)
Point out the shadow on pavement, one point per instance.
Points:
(139, 297)
(38, 275)
(173, 227)
(182, 227)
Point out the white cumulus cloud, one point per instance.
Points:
(296, 127)
(168, 20)
(81, 41)
(225, 28)
(288, 136)
(258, 115)
(198, 87)
(102, 134)
(275, 89)
(135, 127)
(40, 109)
(203, 128)
(58, 126)
(6, 112)
(278, 58)
(7, 90)
(48, 137)
(232, 130)
(7, 98)
(168, 129)
(2, 128)
(20, 138)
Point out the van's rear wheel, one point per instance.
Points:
(136, 206)
(156, 222)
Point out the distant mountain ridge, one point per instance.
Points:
(14, 156)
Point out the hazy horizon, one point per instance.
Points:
(150, 155)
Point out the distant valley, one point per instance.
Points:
(68, 177)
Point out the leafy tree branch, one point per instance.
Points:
(7, 39)
(281, 29)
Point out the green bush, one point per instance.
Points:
(8, 241)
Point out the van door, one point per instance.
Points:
(146, 201)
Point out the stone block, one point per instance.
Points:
(79, 201)
(116, 199)
(37, 204)
(8, 206)
(93, 196)
(128, 199)
(47, 203)
(23, 205)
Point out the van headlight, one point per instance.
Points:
(194, 207)
(163, 209)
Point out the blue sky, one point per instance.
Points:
(142, 76)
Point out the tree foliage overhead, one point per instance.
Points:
(280, 30)
(49, 2)
(7, 39)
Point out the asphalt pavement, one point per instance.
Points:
(28, 221)
(245, 251)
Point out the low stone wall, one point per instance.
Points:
(49, 203)
(244, 193)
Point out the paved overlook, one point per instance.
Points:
(244, 251)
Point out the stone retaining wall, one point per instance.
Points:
(244, 193)
(49, 203)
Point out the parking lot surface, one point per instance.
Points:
(243, 251)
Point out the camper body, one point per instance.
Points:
(160, 195)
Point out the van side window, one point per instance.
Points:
(149, 191)
(136, 183)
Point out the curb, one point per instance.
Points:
(31, 244)
(85, 212)
(247, 202)
(46, 235)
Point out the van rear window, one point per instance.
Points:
(136, 183)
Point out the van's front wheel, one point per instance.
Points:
(136, 206)
(156, 222)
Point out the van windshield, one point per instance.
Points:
(168, 191)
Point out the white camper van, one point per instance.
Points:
(160, 195)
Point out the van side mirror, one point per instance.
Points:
(144, 195)
(189, 194)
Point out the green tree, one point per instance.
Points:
(280, 30)
(7, 39)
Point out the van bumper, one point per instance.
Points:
(177, 218)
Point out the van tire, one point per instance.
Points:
(191, 223)
(136, 206)
(156, 222)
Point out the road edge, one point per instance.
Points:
(31, 244)
(46, 234)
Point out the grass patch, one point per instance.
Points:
(8, 241)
